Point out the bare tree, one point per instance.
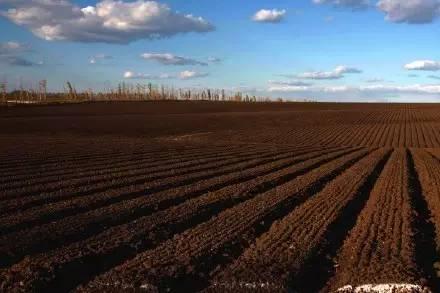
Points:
(43, 89)
(3, 89)
(72, 92)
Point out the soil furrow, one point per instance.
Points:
(104, 185)
(187, 260)
(81, 226)
(382, 246)
(90, 201)
(113, 179)
(286, 257)
(131, 162)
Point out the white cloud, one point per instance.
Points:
(184, 75)
(187, 74)
(103, 56)
(214, 60)
(321, 75)
(338, 73)
(353, 4)
(111, 21)
(289, 83)
(288, 88)
(11, 53)
(356, 91)
(19, 61)
(416, 88)
(378, 93)
(170, 59)
(98, 57)
(245, 89)
(425, 65)
(269, 15)
(410, 11)
(12, 48)
(375, 80)
(345, 69)
(134, 75)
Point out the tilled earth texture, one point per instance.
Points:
(220, 197)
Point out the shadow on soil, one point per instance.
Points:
(424, 238)
(319, 268)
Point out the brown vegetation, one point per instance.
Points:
(123, 92)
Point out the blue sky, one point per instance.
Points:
(356, 50)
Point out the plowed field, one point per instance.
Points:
(220, 197)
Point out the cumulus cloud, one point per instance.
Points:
(135, 75)
(11, 53)
(410, 11)
(269, 15)
(320, 75)
(187, 74)
(425, 65)
(414, 89)
(375, 80)
(327, 89)
(244, 89)
(352, 4)
(345, 69)
(289, 83)
(338, 73)
(374, 92)
(98, 57)
(111, 21)
(170, 59)
(184, 75)
(20, 61)
(12, 48)
(417, 88)
(214, 60)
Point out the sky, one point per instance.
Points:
(325, 50)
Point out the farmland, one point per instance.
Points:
(173, 196)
